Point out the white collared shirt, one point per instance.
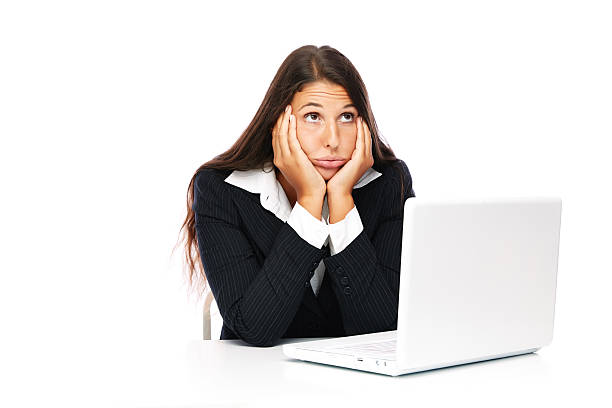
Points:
(316, 232)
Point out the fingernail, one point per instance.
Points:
(287, 108)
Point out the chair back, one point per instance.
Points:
(207, 302)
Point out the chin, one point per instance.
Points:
(327, 174)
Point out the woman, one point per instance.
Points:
(298, 226)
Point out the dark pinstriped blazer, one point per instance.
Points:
(259, 268)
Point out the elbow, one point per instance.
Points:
(393, 325)
(256, 333)
(263, 344)
(267, 341)
(258, 338)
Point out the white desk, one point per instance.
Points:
(229, 373)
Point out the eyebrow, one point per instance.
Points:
(320, 106)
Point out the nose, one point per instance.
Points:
(332, 138)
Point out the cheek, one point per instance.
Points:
(311, 136)
(302, 128)
(306, 142)
(307, 136)
(349, 135)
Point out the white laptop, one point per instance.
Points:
(478, 282)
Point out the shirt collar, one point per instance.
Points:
(272, 195)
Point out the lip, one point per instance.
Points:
(330, 164)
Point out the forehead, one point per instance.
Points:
(323, 92)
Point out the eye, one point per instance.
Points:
(346, 116)
(310, 114)
(350, 115)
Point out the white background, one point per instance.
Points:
(107, 109)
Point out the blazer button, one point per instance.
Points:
(315, 264)
(339, 270)
(307, 284)
(344, 280)
(347, 290)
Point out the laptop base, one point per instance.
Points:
(380, 366)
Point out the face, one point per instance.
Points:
(325, 124)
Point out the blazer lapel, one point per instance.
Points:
(261, 223)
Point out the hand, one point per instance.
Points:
(292, 161)
(343, 181)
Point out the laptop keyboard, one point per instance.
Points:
(380, 349)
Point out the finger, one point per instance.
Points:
(359, 141)
(364, 138)
(367, 140)
(275, 145)
(277, 125)
(283, 134)
(294, 144)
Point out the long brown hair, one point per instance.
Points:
(253, 148)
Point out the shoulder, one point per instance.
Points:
(397, 186)
(209, 179)
(396, 177)
(210, 190)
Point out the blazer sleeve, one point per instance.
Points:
(257, 302)
(365, 275)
